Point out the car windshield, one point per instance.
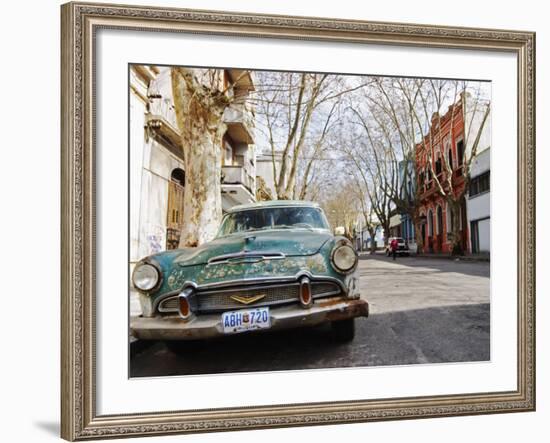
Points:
(299, 217)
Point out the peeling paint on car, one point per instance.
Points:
(281, 254)
(267, 258)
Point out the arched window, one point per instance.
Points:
(430, 223)
(178, 176)
(438, 164)
(447, 150)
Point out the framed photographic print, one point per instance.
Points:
(282, 221)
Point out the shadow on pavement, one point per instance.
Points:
(433, 335)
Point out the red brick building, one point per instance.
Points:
(444, 142)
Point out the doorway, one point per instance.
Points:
(174, 216)
(474, 233)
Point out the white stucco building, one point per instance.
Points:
(478, 203)
(156, 154)
(264, 172)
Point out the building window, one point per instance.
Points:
(439, 224)
(178, 176)
(430, 223)
(449, 219)
(480, 184)
(447, 148)
(228, 157)
(438, 166)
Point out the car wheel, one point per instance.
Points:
(181, 347)
(343, 331)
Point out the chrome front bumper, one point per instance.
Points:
(209, 326)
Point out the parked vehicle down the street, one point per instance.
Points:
(273, 265)
(402, 247)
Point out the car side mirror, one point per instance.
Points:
(339, 230)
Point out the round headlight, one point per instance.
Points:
(145, 277)
(344, 258)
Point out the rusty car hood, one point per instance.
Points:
(290, 242)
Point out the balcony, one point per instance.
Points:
(237, 184)
(161, 127)
(429, 190)
(239, 119)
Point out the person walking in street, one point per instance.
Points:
(393, 246)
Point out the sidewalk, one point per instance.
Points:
(469, 257)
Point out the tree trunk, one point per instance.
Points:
(386, 228)
(418, 236)
(199, 112)
(202, 198)
(372, 233)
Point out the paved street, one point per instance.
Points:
(423, 310)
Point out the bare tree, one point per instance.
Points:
(392, 105)
(368, 162)
(341, 208)
(370, 221)
(297, 114)
(315, 154)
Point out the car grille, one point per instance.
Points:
(220, 299)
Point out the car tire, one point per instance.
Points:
(343, 331)
(182, 347)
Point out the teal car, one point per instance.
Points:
(272, 265)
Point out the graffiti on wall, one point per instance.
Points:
(156, 239)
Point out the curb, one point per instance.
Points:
(455, 258)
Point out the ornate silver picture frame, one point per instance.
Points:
(80, 23)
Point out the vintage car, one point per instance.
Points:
(272, 265)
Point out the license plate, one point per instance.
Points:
(245, 320)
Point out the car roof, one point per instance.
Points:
(274, 204)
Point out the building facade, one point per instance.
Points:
(478, 203)
(157, 166)
(444, 144)
(401, 225)
(363, 240)
(266, 161)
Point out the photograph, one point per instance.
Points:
(289, 220)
